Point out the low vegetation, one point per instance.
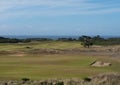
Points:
(54, 59)
(102, 79)
(36, 59)
(86, 40)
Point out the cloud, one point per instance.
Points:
(17, 8)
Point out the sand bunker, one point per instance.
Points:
(18, 55)
(100, 64)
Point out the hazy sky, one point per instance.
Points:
(60, 17)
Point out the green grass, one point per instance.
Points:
(41, 45)
(38, 66)
(51, 66)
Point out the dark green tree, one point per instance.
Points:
(86, 41)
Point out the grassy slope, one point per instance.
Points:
(42, 45)
(50, 66)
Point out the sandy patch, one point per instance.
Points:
(100, 64)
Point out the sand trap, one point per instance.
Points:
(18, 55)
(100, 64)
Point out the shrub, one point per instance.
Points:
(59, 83)
(25, 79)
(87, 79)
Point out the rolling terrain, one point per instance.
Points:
(55, 59)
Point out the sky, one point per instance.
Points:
(60, 17)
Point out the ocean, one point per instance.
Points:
(38, 36)
(50, 37)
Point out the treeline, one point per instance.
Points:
(96, 40)
(9, 40)
(15, 40)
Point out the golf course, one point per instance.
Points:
(55, 59)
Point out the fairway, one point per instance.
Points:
(40, 45)
(52, 66)
(43, 66)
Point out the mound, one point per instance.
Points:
(106, 79)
